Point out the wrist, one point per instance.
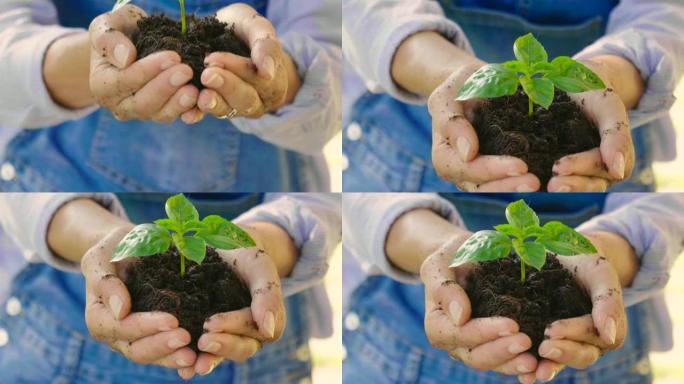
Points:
(276, 243)
(294, 82)
(621, 75)
(618, 252)
(66, 71)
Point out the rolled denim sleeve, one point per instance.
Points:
(649, 34)
(654, 225)
(25, 217)
(27, 29)
(367, 219)
(310, 33)
(313, 221)
(374, 29)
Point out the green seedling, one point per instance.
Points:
(121, 3)
(523, 224)
(532, 70)
(183, 229)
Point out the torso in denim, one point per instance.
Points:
(49, 341)
(393, 150)
(384, 332)
(99, 153)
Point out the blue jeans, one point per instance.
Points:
(384, 333)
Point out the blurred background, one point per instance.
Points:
(670, 176)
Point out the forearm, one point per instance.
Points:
(277, 244)
(417, 234)
(624, 78)
(78, 225)
(294, 82)
(66, 71)
(424, 60)
(619, 254)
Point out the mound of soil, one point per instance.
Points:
(495, 289)
(504, 128)
(212, 287)
(203, 36)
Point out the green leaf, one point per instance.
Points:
(509, 229)
(520, 214)
(563, 240)
(193, 248)
(516, 66)
(169, 224)
(119, 4)
(572, 76)
(483, 246)
(540, 90)
(180, 209)
(532, 253)
(143, 240)
(529, 50)
(492, 80)
(193, 225)
(221, 233)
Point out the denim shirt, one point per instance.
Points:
(99, 153)
(388, 138)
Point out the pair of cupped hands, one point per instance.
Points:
(156, 338)
(496, 343)
(157, 87)
(455, 145)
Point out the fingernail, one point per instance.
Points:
(167, 64)
(553, 374)
(115, 305)
(164, 328)
(611, 329)
(563, 189)
(455, 310)
(121, 55)
(182, 363)
(553, 353)
(213, 103)
(269, 66)
(463, 146)
(522, 369)
(212, 347)
(515, 348)
(215, 81)
(505, 333)
(179, 78)
(619, 164)
(514, 174)
(269, 324)
(524, 188)
(211, 368)
(175, 343)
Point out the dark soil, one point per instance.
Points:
(504, 128)
(204, 35)
(495, 289)
(212, 287)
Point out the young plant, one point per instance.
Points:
(523, 224)
(534, 73)
(121, 3)
(184, 229)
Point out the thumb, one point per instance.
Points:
(108, 36)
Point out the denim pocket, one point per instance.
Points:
(143, 156)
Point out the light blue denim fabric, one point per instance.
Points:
(393, 151)
(49, 341)
(384, 333)
(100, 153)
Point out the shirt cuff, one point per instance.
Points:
(314, 235)
(314, 116)
(655, 64)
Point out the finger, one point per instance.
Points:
(527, 378)
(193, 116)
(443, 292)
(483, 169)
(523, 363)
(577, 184)
(242, 67)
(182, 360)
(104, 326)
(589, 163)
(108, 35)
(495, 353)
(235, 322)
(442, 333)
(206, 363)
(524, 183)
(580, 329)
(235, 91)
(573, 354)
(162, 95)
(186, 373)
(547, 370)
(451, 127)
(156, 347)
(231, 347)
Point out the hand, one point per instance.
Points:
(580, 341)
(238, 335)
(153, 88)
(144, 337)
(248, 87)
(599, 168)
(493, 343)
(455, 145)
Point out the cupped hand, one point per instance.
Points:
(153, 88)
(493, 343)
(238, 335)
(143, 337)
(597, 169)
(455, 145)
(248, 87)
(580, 341)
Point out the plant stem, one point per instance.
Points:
(182, 266)
(522, 271)
(184, 26)
(531, 109)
